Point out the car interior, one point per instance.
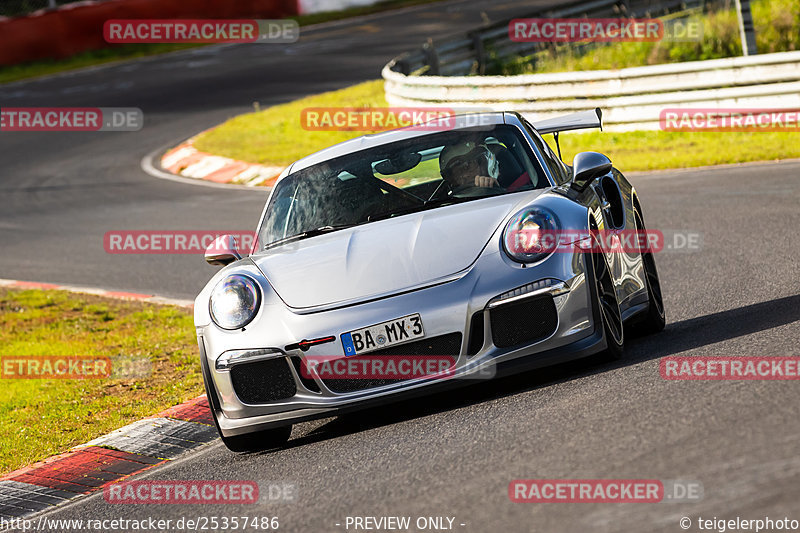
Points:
(389, 181)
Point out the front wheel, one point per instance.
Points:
(654, 320)
(249, 442)
(610, 315)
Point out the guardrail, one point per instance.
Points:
(631, 98)
(476, 52)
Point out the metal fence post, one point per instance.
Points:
(431, 57)
(480, 52)
(746, 30)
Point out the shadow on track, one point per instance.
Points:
(676, 338)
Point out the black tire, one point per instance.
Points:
(259, 440)
(608, 308)
(250, 442)
(654, 320)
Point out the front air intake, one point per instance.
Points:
(263, 381)
(524, 321)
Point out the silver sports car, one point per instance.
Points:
(399, 263)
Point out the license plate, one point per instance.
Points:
(382, 335)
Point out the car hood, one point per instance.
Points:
(385, 257)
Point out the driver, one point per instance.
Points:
(468, 164)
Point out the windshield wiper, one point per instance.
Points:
(452, 200)
(310, 233)
(394, 212)
(428, 204)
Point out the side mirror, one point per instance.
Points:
(222, 251)
(587, 166)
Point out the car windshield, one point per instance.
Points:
(395, 179)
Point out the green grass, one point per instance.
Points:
(132, 51)
(777, 29)
(39, 418)
(660, 150)
(274, 136)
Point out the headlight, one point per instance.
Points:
(234, 302)
(531, 235)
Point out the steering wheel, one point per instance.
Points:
(398, 192)
(443, 189)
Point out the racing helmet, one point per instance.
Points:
(455, 157)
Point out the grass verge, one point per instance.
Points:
(662, 150)
(274, 136)
(777, 29)
(132, 51)
(39, 417)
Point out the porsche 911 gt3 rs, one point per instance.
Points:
(422, 244)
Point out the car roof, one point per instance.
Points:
(364, 142)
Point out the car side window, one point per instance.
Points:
(559, 170)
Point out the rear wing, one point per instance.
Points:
(573, 121)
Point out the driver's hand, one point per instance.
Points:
(485, 181)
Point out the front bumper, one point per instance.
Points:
(444, 308)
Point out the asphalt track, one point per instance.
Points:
(452, 454)
(61, 192)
